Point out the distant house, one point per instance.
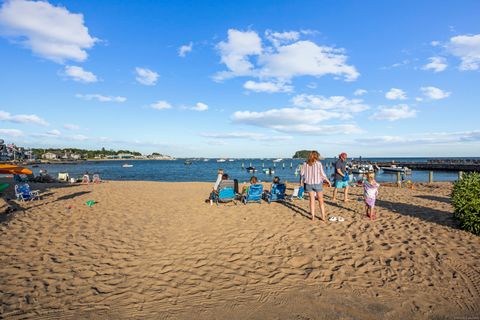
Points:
(71, 156)
(50, 156)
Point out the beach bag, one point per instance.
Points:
(346, 177)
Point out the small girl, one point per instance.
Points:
(370, 188)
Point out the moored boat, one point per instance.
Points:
(393, 169)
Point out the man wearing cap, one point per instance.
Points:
(340, 176)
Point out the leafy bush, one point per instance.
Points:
(466, 201)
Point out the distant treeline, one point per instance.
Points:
(85, 153)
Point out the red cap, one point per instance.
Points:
(343, 155)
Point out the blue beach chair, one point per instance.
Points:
(24, 193)
(276, 194)
(226, 192)
(254, 194)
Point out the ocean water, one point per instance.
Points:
(199, 170)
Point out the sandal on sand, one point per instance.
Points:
(340, 219)
(332, 218)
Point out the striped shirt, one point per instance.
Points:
(313, 174)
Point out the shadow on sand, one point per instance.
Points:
(441, 217)
(435, 198)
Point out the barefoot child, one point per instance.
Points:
(370, 188)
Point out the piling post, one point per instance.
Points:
(263, 164)
(399, 180)
(274, 165)
(430, 177)
(291, 165)
(460, 175)
(250, 163)
(283, 165)
(243, 165)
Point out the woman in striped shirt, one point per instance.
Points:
(313, 176)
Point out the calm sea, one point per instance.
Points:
(200, 170)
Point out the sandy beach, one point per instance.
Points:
(156, 250)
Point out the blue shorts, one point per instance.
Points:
(341, 184)
(313, 187)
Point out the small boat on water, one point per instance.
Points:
(126, 165)
(187, 162)
(362, 168)
(268, 171)
(278, 160)
(231, 160)
(205, 160)
(251, 169)
(221, 160)
(393, 169)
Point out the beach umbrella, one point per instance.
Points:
(13, 169)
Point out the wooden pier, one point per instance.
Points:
(437, 165)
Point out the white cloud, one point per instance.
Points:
(101, 98)
(71, 126)
(245, 135)
(435, 43)
(436, 64)
(22, 118)
(234, 53)
(360, 92)
(244, 55)
(284, 116)
(295, 120)
(146, 76)
(49, 134)
(467, 48)
(200, 107)
(338, 104)
(183, 50)
(270, 87)
(423, 139)
(434, 93)
(306, 116)
(401, 111)
(279, 38)
(51, 32)
(80, 75)
(11, 132)
(54, 132)
(305, 58)
(161, 105)
(397, 64)
(396, 94)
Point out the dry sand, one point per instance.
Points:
(152, 250)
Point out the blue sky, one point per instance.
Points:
(242, 78)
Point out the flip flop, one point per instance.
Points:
(332, 218)
(340, 219)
